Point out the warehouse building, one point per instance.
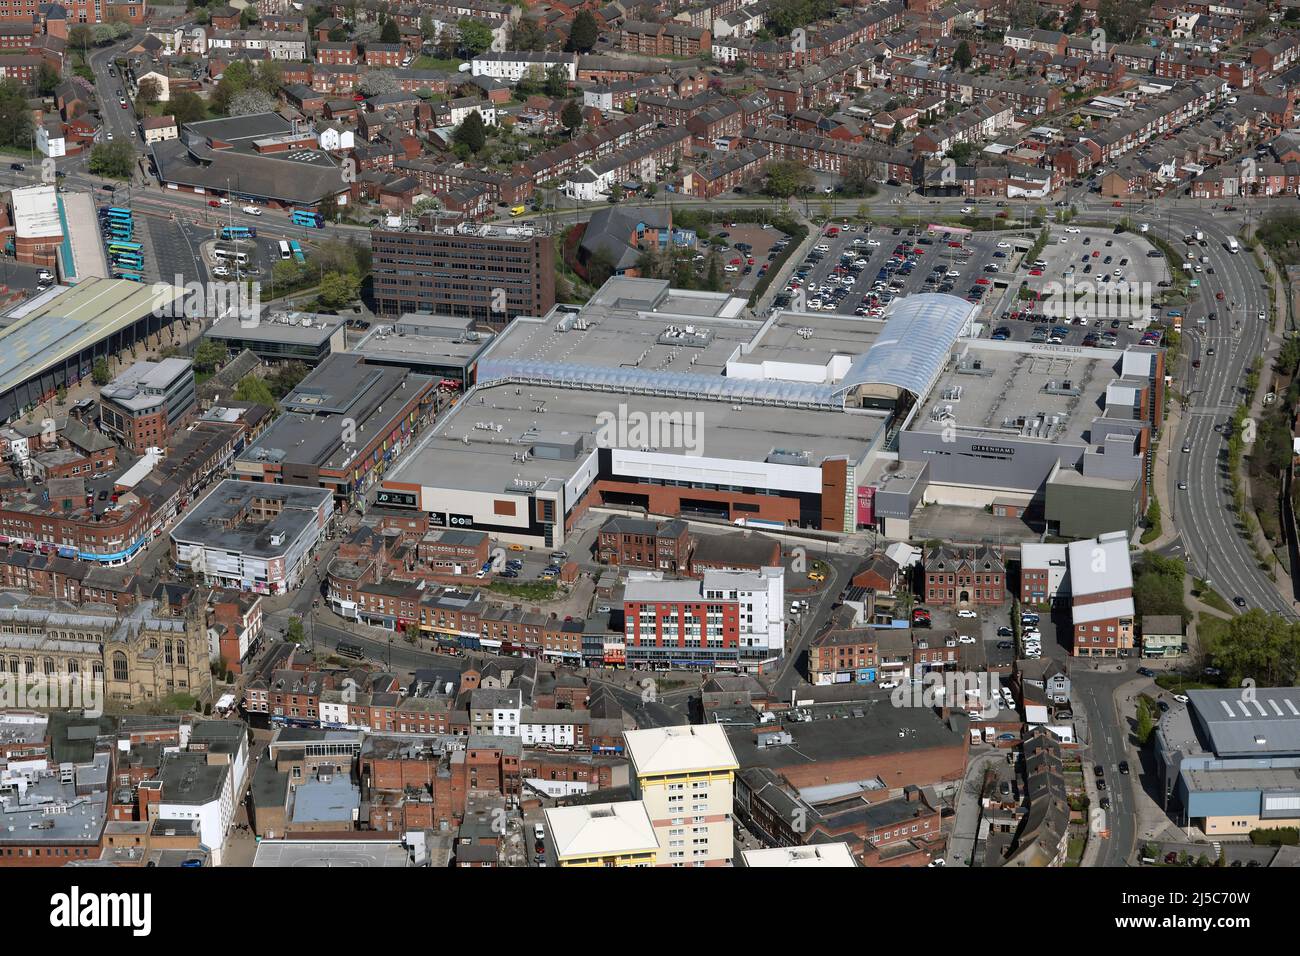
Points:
(1226, 761)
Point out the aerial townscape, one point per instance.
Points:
(899, 397)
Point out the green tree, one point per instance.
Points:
(471, 133)
(571, 116)
(186, 107)
(338, 289)
(962, 56)
(99, 373)
(209, 356)
(113, 160)
(253, 389)
(475, 36)
(583, 33)
(294, 633)
(47, 79)
(390, 33)
(527, 34)
(15, 118)
(557, 81)
(787, 178)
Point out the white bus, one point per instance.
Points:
(285, 251)
(225, 252)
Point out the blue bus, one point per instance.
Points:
(305, 217)
(127, 261)
(297, 251)
(116, 214)
(238, 232)
(119, 230)
(132, 247)
(133, 276)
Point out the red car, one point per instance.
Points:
(1219, 296)
(981, 281)
(1096, 253)
(214, 204)
(734, 262)
(1117, 204)
(954, 245)
(749, 261)
(1035, 272)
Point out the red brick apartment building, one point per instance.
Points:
(964, 576)
(337, 54)
(641, 543)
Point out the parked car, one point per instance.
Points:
(967, 613)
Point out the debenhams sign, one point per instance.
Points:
(1004, 450)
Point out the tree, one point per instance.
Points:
(961, 153)
(294, 633)
(962, 56)
(1122, 19)
(80, 37)
(428, 30)
(338, 289)
(99, 373)
(286, 378)
(378, 83)
(786, 178)
(527, 34)
(15, 118)
(251, 101)
(253, 389)
(470, 133)
(209, 356)
(859, 177)
(571, 116)
(475, 36)
(391, 33)
(1024, 13)
(896, 133)
(113, 160)
(583, 33)
(47, 79)
(186, 107)
(557, 81)
(1158, 586)
(599, 268)
(148, 92)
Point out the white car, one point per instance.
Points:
(965, 639)
(109, 136)
(873, 242)
(253, 210)
(887, 685)
(1181, 698)
(966, 210)
(1073, 230)
(45, 275)
(731, 268)
(966, 612)
(1004, 245)
(224, 201)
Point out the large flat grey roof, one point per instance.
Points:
(1265, 722)
(292, 328)
(489, 461)
(207, 521)
(988, 388)
(330, 853)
